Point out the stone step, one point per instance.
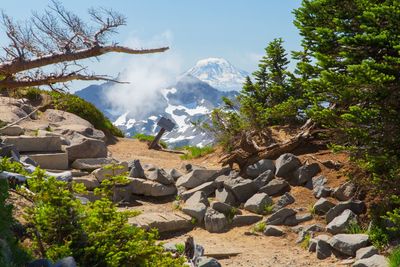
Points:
(50, 160)
(163, 221)
(34, 143)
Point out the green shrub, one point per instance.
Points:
(306, 242)
(95, 234)
(194, 152)
(180, 248)
(378, 235)
(149, 139)
(76, 105)
(355, 228)
(260, 227)
(267, 209)
(394, 258)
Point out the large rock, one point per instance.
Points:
(277, 186)
(66, 262)
(91, 164)
(222, 207)
(198, 197)
(107, 172)
(225, 196)
(245, 219)
(322, 206)
(207, 188)
(207, 262)
(174, 173)
(14, 130)
(305, 173)
(52, 161)
(11, 109)
(264, 178)
(161, 176)
(348, 244)
(151, 188)
(87, 148)
(356, 206)
(283, 201)
(34, 143)
(136, 169)
(286, 164)
(345, 191)
(195, 210)
(214, 221)
(341, 222)
(163, 221)
(312, 247)
(323, 249)
(373, 261)
(271, 230)
(257, 203)
(61, 117)
(242, 189)
(322, 191)
(196, 178)
(70, 129)
(259, 167)
(280, 216)
(366, 252)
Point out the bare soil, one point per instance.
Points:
(255, 249)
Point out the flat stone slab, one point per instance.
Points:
(164, 222)
(34, 143)
(51, 161)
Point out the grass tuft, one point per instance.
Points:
(194, 152)
(394, 258)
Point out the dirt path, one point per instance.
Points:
(255, 250)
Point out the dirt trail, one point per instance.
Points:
(255, 250)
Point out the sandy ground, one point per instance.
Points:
(255, 250)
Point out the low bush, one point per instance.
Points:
(394, 258)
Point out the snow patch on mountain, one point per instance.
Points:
(219, 73)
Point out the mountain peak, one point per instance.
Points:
(219, 73)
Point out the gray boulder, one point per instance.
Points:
(91, 164)
(225, 196)
(305, 173)
(195, 210)
(87, 148)
(222, 207)
(214, 221)
(161, 176)
(300, 218)
(323, 249)
(271, 230)
(286, 164)
(373, 261)
(245, 219)
(312, 247)
(207, 188)
(356, 206)
(241, 188)
(345, 191)
(151, 188)
(89, 181)
(65, 262)
(366, 252)
(280, 216)
(275, 187)
(14, 130)
(341, 222)
(257, 203)
(348, 244)
(135, 169)
(260, 167)
(322, 206)
(264, 178)
(198, 197)
(196, 178)
(322, 191)
(207, 262)
(174, 173)
(283, 201)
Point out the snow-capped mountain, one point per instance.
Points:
(188, 101)
(218, 73)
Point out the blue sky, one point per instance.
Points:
(237, 30)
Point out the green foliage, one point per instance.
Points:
(95, 234)
(78, 106)
(194, 152)
(180, 248)
(260, 227)
(378, 235)
(305, 244)
(12, 166)
(267, 209)
(394, 258)
(149, 139)
(353, 85)
(355, 228)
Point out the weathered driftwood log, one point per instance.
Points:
(249, 152)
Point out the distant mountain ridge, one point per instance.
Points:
(189, 100)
